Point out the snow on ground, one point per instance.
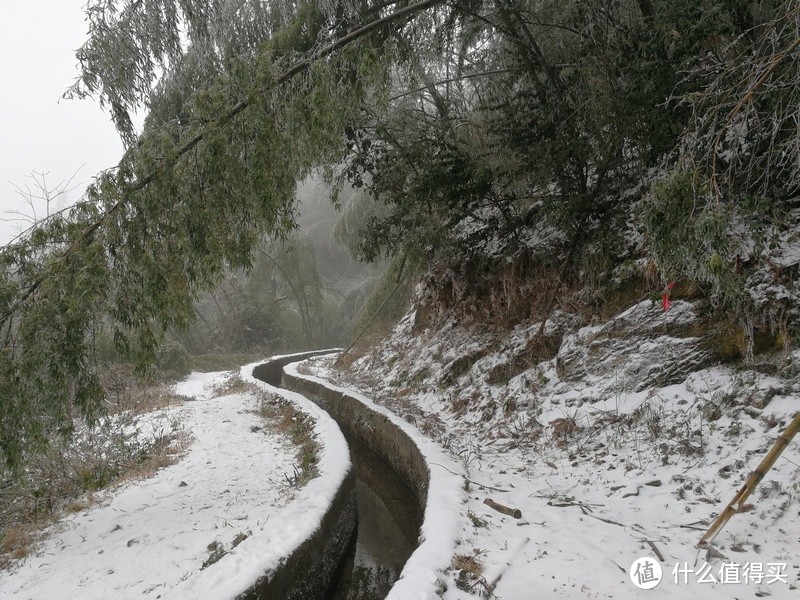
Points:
(605, 470)
(228, 496)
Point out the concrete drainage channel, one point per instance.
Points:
(389, 517)
(393, 481)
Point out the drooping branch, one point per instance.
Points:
(286, 76)
(744, 130)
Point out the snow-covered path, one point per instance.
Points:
(150, 538)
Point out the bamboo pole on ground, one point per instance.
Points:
(737, 503)
(506, 510)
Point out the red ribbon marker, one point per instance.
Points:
(665, 303)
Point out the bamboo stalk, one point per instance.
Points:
(737, 503)
(506, 510)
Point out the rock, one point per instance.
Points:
(536, 350)
(631, 494)
(217, 551)
(712, 412)
(663, 355)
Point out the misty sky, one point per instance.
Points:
(38, 130)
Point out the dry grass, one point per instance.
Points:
(304, 369)
(127, 393)
(151, 400)
(461, 403)
(63, 478)
(80, 504)
(232, 385)
(516, 291)
(282, 417)
(16, 543)
(469, 570)
(361, 347)
(163, 453)
(564, 429)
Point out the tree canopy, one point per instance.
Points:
(587, 132)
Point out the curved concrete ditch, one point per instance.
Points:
(436, 481)
(312, 570)
(389, 516)
(382, 445)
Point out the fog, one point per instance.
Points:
(39, 131)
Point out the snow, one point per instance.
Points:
(604, 472)
(150, 538)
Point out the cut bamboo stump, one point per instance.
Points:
(511, 512)
(738, 503)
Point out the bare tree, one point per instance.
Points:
(42, 201)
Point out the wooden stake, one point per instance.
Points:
(737, 503)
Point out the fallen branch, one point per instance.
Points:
(295, 69)
(655, 550)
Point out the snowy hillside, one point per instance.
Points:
(622, 442)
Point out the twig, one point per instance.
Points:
(605, 520)
(488, 487)
(490, 588)
(694, 525)
(655, 549)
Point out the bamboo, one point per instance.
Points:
(380, 308)
(511, 512)
(737, 503)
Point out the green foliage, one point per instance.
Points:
(192, 40)
(546, 120)
(387, 301)
(743, 133)
(359, 211)
(724, 203)
(296, 295)
(689, 239)
(173, 359)
(468, 129)
(188, 202)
